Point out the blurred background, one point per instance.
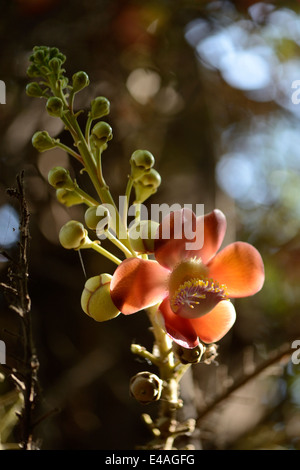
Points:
(210, 88)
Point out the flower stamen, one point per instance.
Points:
(194, 291)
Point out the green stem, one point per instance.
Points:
(128, 253)
(89, 200)
(97, 247)
(127, 198)
(70, 151)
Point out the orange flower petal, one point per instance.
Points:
(170, 244)
(214, 231)
(138, 284)
(178, 328)
(240, 267)
(215, 324)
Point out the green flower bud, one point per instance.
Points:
(100, 107)
(188, 356)
(73, 235)
(97, 217)
(68, 198)
(39, 56)
(145, 387)
(80, 81)
(55, 64)
(142, 236)
(141, 161)
(146, 185)
(33, 71)
(96, 300)
(54, 106)
(102, 131)
(59, 177)
(42, 141)
(33, 89)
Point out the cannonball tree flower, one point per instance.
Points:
(191, 286)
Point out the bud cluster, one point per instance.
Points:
(146, 179)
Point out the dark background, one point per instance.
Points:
(224, 135)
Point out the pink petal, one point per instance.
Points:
(214, 231)
(179, 329)
(240, 267)
(138, 284)
(215, 324)
(175, 231)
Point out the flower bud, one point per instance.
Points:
(33, 71)
(73, 235)
(96, 300)
(33, 89)
(188, 356)
(146, 185)
(100, 107)
(55, 64)
(80, 81)
(141, 161)
(101, 133)
(142, 236)
(68, 198)
(97, 217)
(59, 177)
(145, 387)
(54, 106)
(42, 141)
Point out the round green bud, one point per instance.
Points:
(55, 106)
(145, 387)
(142, 236)
(146, 185)
(97, 218)
(188, 355)
(96, 300)
(42, 141)
(33, 89)
(141, 161)
(59, 177)
(68, 198)
(100, 107)
(80, 81)
(73, 235)
(102, 131)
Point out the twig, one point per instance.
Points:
(20, 303)
(274, 358)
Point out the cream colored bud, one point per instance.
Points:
(73, 235)
(100, 107)
(141, 161)
(42, 141)
(59, 177)
(97, 217)
(146, 387)
(142, 236)
(101, 134)
(68, 198)
(96, 300)
(187, 355)
(146, 185)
